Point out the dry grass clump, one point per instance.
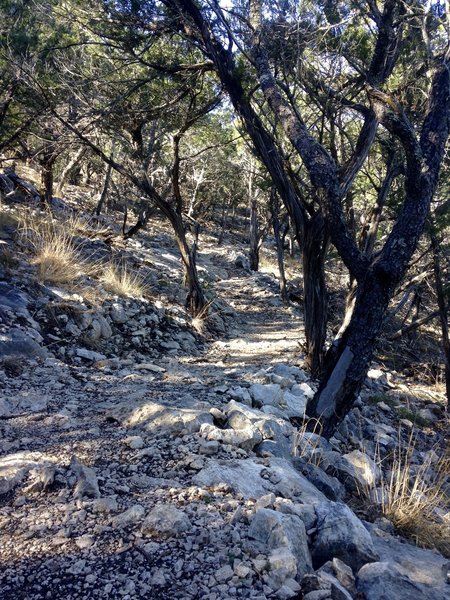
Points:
(411, 495)
(56, 256)
(306, 444)
(119, 280)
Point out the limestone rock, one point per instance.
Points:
(383, 581)
(341, 534)
(360, 467)
(243, 438)
(23, 402)
(157, 417)
(18, 343)
(87, 483)
(131, 516)
(265, 394)
(253, 480)
(285, 536)
(166, 520)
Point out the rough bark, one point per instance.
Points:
(349, 358)
(71, 166)
(47, 163)
(279, 241)
(443, 310)
(315, 292)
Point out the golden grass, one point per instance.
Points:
(306, 447)
(119, 280)
(410, 495)
(55, 254)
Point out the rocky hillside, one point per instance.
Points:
(144, 455)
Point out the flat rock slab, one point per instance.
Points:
(153, 416)
(14, 467)
(407, 570)
(17, 343)
(253, 479)
(22, 403)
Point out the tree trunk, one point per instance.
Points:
(71, 166)
(347, 361)
(195, 299)
(254, 237)
(315, 305)
(443, 310)
(223, 222)
(105, 190)
(48, 162)
(275, 209)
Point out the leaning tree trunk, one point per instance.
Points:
(315, 292)
(443, 310)
(71, 166)
(347, 361)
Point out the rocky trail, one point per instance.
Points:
(175, 469)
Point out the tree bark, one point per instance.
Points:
(47, 162)
(69, 168)
(275, 210)
(443, 310)
(315, 292)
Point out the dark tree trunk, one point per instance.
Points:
(347, 361)
(48, 162)
(195, 299)
(254, 236)
(105, 191)
(70, 169)
(223, 222)
(315, 292)
(443, 310)
(275, 210)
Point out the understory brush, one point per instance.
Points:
(414, 493)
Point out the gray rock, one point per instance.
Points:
(384, 581)
(105, 505)
(89, 354)
(356, 470)
(23, 402)
(290, 371)
(324, 586)
(87, 484)
(240, 394)
(157, 417)
(245, 438)
(43, 478)
(330, 486)
(118, 314)
(269, 393)
(166, 520)
(285, 536)
(93, 332)
(293, 405)
(131, 516)
(17, 343)
(341, 534)
(12, 297)
(306, 512)
(14, 468)
(105, 327)
(341, 572)
(424, 569)
(253, 479)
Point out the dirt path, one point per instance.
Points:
(60, 543)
